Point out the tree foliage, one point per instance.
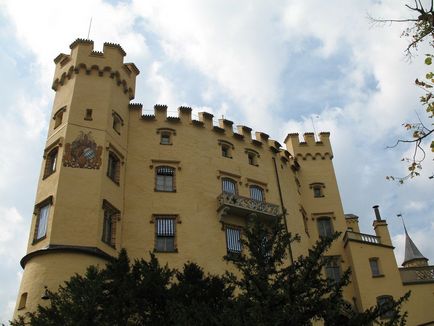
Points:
(420, 30)
(266, 290)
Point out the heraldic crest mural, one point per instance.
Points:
(83, 153)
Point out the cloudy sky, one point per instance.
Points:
(272, 65)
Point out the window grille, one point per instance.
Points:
(233, 242)
(257, 193)
(229, 186)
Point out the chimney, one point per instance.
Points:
(377, 212)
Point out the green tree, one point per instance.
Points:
(269, 290)
(420, 30)
(274, 292)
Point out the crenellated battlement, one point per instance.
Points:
(108, 63)
(309, 147)
(223, 127)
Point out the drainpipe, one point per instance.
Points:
(283, 208)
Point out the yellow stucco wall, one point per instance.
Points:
(103, 83)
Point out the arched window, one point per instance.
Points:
(165, 178)
(325, 228)
(385, 303)
(113, 167)
(257, 193)
(50, 162)
(229, 186)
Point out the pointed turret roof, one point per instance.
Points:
(411, 251)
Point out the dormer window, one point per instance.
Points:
(58, 117)
(118, 122)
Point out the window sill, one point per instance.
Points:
(378, 275)
(166, 144)
(47, 175)
(170, 191)
(175, 251)
(114, 181)
(35, 241)
(109, 244)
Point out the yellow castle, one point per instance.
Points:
(113, 178)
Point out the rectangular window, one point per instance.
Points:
(165, 139)
(233, 240)
(111, 216)
(165, 179)
(375, 268)
(165, 234)
(324, 227)
(113, 167)
(333, 269)
(42, 211)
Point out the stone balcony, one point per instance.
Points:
(361, 237)
(417, 275)
(247, 207)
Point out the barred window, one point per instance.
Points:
(50, 162)
(113, 167)
(165, 179)
(325, 228)
(233, 243)
(333, 269)
(257, 193)
(165, 234)
(111, 217)
(229, 186)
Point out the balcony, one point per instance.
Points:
(417, 275)
(243, 206)
(361, 237)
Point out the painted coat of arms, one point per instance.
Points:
(83, 153)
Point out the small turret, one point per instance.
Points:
(413, 257)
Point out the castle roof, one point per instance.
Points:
(411, 251)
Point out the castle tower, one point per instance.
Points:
(77, 206)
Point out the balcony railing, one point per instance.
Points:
(362, 237)
(412, 275)
(244, 206)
